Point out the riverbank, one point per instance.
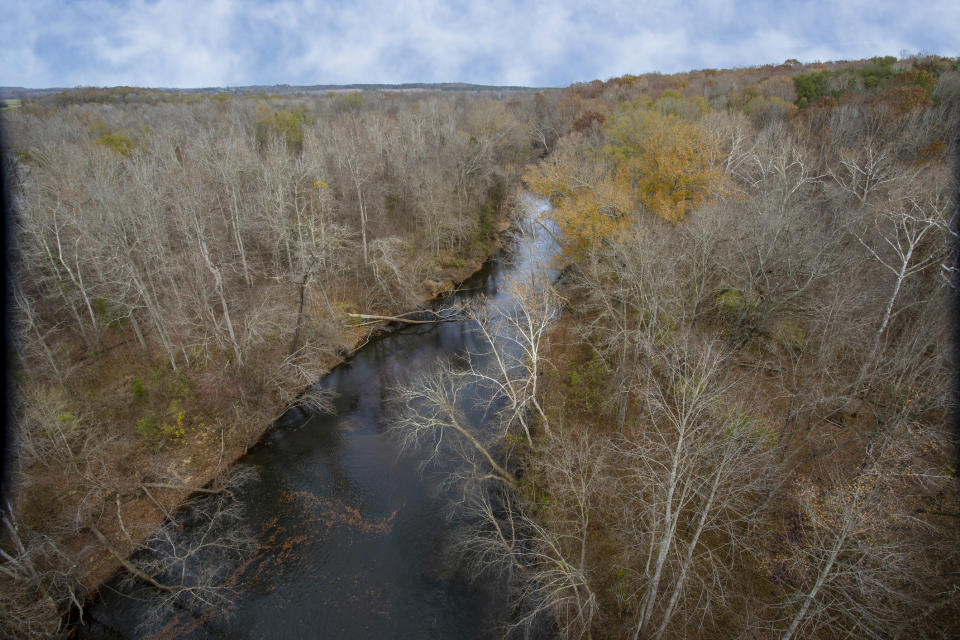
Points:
(339, 522)
(184, 269)
(151, 481)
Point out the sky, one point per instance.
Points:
(205, 43)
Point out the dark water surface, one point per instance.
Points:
(354, 539)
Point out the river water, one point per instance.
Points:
(354, 541)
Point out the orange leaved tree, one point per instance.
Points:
(671, 164)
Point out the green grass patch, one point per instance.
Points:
(452, 262)
(138, 389)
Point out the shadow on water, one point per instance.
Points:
(352, 539)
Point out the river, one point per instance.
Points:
(353, 539)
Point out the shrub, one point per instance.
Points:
(587, 120)
(811, 87)
(282, 124)
(157, 433)
(588, 384)
(904, 99)
(764, 110)
(732, 303)
(877, 71)
(352, 101)
(118, 143)
(790, 335)
(148, 429)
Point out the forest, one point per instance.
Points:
(729, 417)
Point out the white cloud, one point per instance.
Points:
(219, 42)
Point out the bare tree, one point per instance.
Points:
(902, 229)
(631, 301)
(29, 318)
(191, 560)
(433, 412)
(555, 586)
(855, 560)
(544, 551)
(693, 472)
(866, 169)
(228, 160)
(350, 143)
(558, 548)
(218, 286)
(37, 581)
(512, 362)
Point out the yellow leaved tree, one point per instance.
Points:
(671, 164)
(651, 161)
(589, 203)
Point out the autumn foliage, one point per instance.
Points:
(650, 162)
(774, 246)
(670, 164)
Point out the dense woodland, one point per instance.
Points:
(738, 427)
(186, 268)
(727, 419)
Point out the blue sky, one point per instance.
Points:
(193, 43)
